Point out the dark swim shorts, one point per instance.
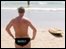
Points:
(22, 41)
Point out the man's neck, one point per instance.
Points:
(19, 17)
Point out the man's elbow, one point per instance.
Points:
(6, 29)
(35, 30)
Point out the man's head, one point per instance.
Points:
(21, 11)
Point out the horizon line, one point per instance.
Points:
(36, 8)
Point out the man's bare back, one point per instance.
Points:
(21, 27)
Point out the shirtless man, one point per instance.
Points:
(20, 26)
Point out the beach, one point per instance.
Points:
(43, 15)
(42, 20)
(43, 39)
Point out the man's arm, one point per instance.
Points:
(34, 31)
(8, 29)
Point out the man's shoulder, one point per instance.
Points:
(26, 20)
(12, 20)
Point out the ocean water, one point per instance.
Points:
(42, 4)
(41, 13)
(39, 18)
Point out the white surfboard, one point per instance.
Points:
(55, 30)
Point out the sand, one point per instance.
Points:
(43, 39)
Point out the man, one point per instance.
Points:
(20, 26)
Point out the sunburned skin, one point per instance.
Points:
(20, 26)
